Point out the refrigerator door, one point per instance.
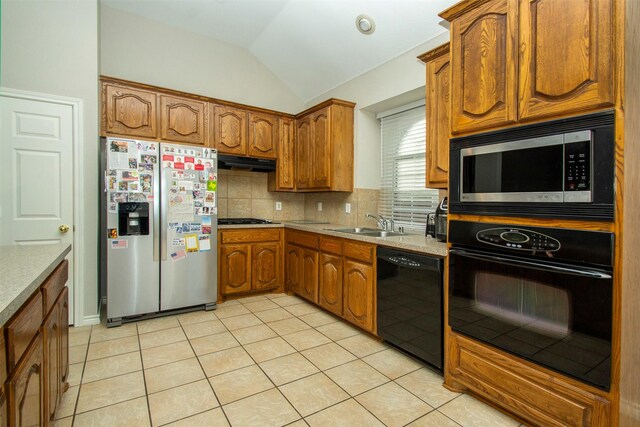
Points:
(189, 225)
(132, 227)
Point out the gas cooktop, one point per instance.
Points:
(239, 221)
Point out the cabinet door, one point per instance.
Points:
(310, 275)
(321, 149)
(63, 303)
(330, 286)
(483, 67)
(26, 394)
(51, 335)
(293, 267)
(235, 268)
(263, 135)
(184, 120)
(566, 56)
(303, 153)
(128, 111)
(230, 130)
(265, 272)
(285, 178)
(437, 108)
(3, 376)
(358, 294)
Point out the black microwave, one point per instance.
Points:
(556, 169)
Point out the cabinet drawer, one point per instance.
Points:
(361, 251)
(250, 235)
(53, 286)
(332, 246)
(303, 239)
(528, 392)
(22, 328)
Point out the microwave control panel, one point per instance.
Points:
(518, 239)
(577, 161)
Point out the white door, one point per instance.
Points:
(36, 175)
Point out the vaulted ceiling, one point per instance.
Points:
(312, 45)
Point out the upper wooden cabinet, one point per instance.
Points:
(437, 111)
(285, 168)
(517, 60)
(184, 120)
(230, 130)
(324, 143)
(263, 135)
(129, 111)
(566, 56)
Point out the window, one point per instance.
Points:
(403, 196)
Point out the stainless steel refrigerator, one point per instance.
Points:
(159, 221)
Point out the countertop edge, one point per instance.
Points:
(12, 308)
(423, 245)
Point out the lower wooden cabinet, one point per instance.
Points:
(358, 293)
(541, 397)
(26, 387)
(38, 376)
(250, 260)
(330, 283)
(337, 274)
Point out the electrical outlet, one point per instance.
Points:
(347, 207)
(319, 206)
(278, 206)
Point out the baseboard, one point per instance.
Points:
(91, 320)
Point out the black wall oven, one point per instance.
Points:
(544, 294)
(557, 169)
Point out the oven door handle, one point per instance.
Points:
(594, 274)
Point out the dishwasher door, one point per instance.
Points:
(410, 303)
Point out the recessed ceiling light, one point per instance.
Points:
(365, 24)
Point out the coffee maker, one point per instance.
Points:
(437, 222)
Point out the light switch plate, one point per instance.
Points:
(278, 206)
(319, 206)
(347, 207)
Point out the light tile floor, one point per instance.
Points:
(267, 360)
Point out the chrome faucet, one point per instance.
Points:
(383, 223)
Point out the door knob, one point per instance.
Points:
(63, 228)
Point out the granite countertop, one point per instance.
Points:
(24, 269)
(411, 242)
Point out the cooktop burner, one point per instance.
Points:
(235, 221)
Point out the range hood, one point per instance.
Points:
(226, 161)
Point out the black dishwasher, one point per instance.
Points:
(410, 303)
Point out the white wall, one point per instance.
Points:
(51, 47)
(392, 79)
(146, 51)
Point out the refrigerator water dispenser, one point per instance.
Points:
(133, 219)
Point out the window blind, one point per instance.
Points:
(403, 196)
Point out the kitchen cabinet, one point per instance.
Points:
(336, 274)
(129, 111)
(539, 396)
(518, 60)
(437, 111)
(34, 358)
(26, 387)
(324, 147)
(184, 120)
(263, 135)
(250, 260)
(286, 160)
(230, 130)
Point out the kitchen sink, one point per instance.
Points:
(372, 232)
(382, 233)
(357, 230)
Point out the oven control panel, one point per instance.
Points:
(518, 239)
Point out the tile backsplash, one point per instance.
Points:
(245, 194)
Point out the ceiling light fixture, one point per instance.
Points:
(365, 24)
